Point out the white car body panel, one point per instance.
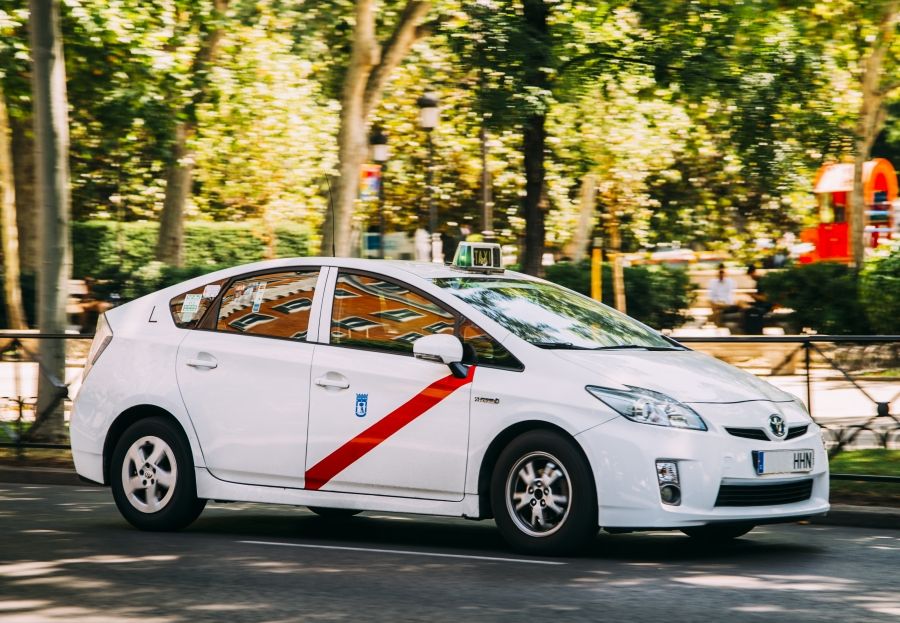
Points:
(139, 344)
(433, 464)
(251, 426)
(425, 459)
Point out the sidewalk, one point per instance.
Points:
(840, 515)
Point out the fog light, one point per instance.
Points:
(667, 475)
(667, 472)
(670, 494)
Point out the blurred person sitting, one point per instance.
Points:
(721, 296)
(754, 314)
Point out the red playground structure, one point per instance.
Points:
(833, 185)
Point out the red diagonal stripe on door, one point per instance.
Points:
(342, 458)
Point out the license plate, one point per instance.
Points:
(783, 461)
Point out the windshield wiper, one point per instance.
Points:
(561, 346)
(640, 346)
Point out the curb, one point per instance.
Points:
(879, 517)
(40, 476)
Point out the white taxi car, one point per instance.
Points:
(348, 385)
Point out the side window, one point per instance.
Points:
(271, 305)
(189, 307)
(369, 312)
(480, 348)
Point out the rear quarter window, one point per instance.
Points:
(188, 308)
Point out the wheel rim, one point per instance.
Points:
(538, 494)
(149, 474)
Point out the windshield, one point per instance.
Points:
(550, 316)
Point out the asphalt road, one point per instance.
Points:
(66, 555)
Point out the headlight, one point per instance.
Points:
(648, 407)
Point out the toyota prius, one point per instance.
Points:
(465, 390)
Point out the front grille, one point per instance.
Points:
(749, 433)
(797, 431)
(760, 434)
(764, 494)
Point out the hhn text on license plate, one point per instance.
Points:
(784, 461)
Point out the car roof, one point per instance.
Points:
(389, 268)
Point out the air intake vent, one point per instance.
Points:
(760, 434)
(749, 433)
(797, 431)
(765, 494)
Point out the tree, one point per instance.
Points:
(12, 290)
(52, 142)
(368, 73)
(536, 80)
(872, 114)
(170, 246)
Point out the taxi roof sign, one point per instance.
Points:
(481, 257)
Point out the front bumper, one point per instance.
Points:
(623, 456)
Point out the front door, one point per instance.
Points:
(381, 421)
(246, 383)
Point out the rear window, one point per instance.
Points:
(189, 307)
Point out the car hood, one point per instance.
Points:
(684, 375)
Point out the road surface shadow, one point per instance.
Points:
(482, 537)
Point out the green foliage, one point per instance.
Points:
(102, 249)
(824, 297)
(879, 290)
(703, 122)
(656, 295)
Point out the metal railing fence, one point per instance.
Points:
(19, 417)
(881, 423)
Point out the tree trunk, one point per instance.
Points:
(871, 120)
(586, 207)
(179, 177)
(170, 245)
(23, 151)
(367, 77)
(12, 290)
(487, 199)
(51, 133)
(535, 13)
(535, 138)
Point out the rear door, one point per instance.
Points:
(244, 377)
(381, 421)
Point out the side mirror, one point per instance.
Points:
(442, 348)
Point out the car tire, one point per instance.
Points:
(543, 495)
(152, 477)
(718, 533)
(334, 513)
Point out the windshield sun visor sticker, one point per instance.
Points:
(345, 456)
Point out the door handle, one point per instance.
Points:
(324, 381)
(208, 364)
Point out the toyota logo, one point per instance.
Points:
(776, 424)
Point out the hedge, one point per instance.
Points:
(656, 295)
(879, 291)
(824, 297)
(101, 248)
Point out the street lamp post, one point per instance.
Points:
(380, 153)
(428, 118)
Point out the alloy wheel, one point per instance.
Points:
(149, 474)
(538, 494)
